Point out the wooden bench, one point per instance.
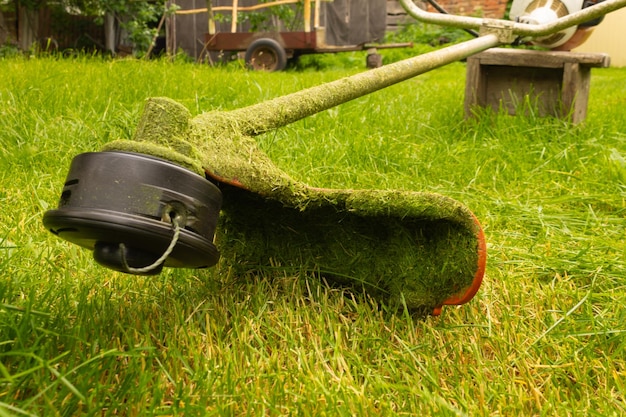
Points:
(548, 82)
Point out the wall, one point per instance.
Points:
(493, 9)
(608, 37)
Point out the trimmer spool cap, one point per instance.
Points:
(129, 208)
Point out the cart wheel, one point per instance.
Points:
(266, 55)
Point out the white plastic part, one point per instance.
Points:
(540, 12)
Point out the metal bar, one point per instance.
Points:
(281, 111)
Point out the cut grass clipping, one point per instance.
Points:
(413, 249)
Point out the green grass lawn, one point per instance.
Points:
(546, 334)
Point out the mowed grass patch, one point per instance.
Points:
(545, 335)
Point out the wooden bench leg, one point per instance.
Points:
(575, 91)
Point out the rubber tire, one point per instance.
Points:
(274, 57)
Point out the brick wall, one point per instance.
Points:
(494, 9)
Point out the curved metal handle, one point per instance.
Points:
(515, 28)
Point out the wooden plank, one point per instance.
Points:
(520, 90)
(239, 41)
(544, 59)
(316, 19)
(307, 15)
(211, 19)
(234, 15)
(240, 8)
(398, 20)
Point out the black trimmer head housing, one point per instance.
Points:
(129, 208)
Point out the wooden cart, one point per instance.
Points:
(270, 51)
